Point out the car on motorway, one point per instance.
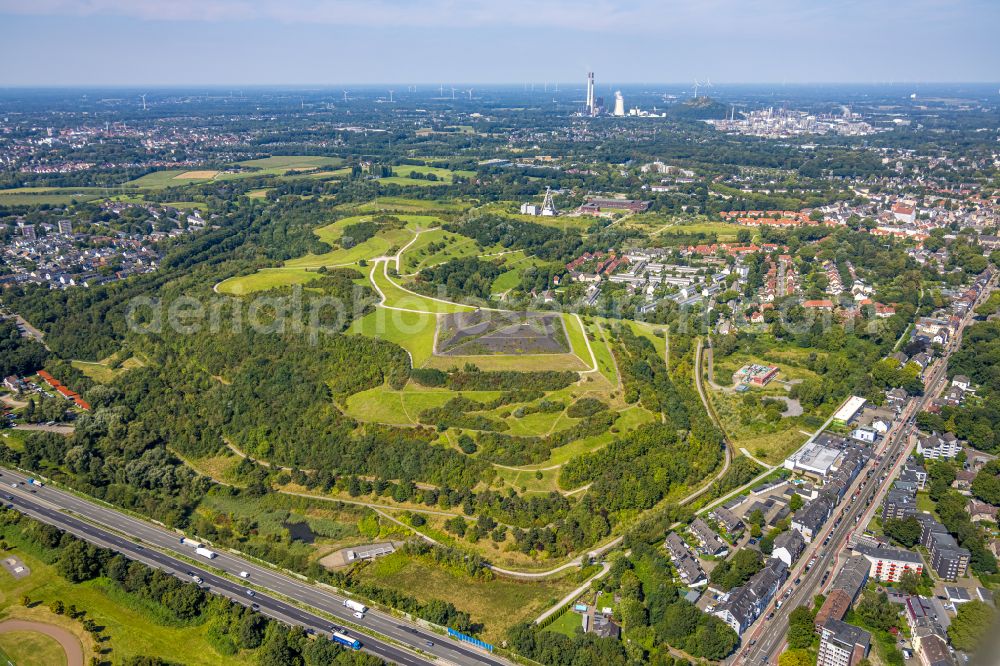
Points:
(798, 580)
(197, 579)
(251, 593)
(255, 606)
(429, 643)
(8, 497)
(244, 574)
(770, 616)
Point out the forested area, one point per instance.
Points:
(977, 420)
(640, 468)
(459, 278)
(19, 355)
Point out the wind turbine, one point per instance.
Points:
(696, 86)
(470, 94)
(453, 89)
(143, 96)
(345, 96)
(390, 95)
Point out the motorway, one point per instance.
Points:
(159, 547)
(766, 639)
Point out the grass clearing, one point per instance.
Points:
(568, 624)
(264, 279)
(498, 604)
(30, 647)
(131, 632)
(413, 331)
(407, 205)
(103, 371)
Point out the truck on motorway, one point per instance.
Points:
(205, 552)
(35, 482)
(346, 641)
(355, 606)
(191, 542)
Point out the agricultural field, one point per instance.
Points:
(441, 173)
(498, 604)
(34, 196)
(159, 180)
(283, 163)
(204, 174)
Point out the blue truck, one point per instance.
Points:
(346, 641)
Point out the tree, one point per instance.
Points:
(801, 628)
(905, 531)
(969, 627)
(78, 562)
(875, 609)
(796, 502)
(909, 582)
(986, 485)
(796, 658)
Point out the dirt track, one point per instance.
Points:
(70, 644)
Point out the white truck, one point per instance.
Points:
(205, 552)
(191, 542)
(355, 606)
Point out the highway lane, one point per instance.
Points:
(216, 584)
(768, 637)
(315, 596)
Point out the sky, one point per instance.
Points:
(329, 42)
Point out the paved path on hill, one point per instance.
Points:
(67, 641)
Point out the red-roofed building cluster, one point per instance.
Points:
(63, 391)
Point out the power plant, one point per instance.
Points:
(619, 104)
(591, 110)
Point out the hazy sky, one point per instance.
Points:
(162, 42)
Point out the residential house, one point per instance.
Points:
(842, 644)
(745, 603)
(728, 520)
(788, 546)
(889, 564)
(937, 447)
(709, 540)
(810, 518)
